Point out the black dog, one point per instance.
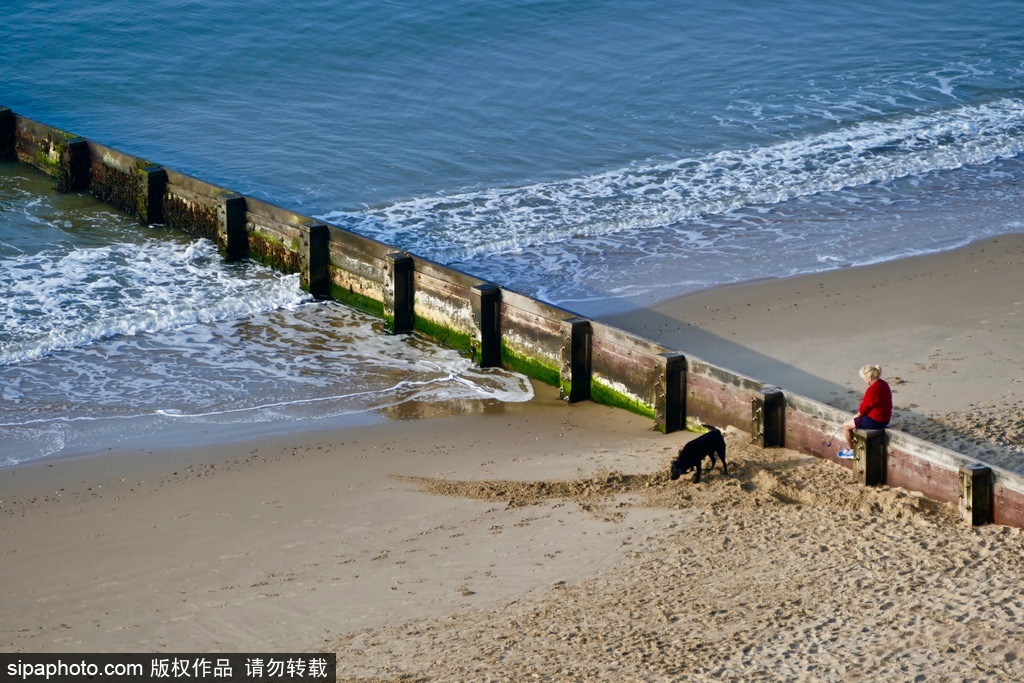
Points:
(691, 455)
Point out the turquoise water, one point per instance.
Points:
(597, 155)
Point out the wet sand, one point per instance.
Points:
(543, 541)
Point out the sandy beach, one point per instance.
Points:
(947, 330)
(543, 541)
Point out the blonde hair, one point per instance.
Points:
(870, 372)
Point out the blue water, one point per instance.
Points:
(597, 155)
(115, 335)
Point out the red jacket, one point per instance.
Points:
(877, 402)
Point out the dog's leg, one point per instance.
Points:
(696, 476)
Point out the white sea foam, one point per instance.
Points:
(645, 196)
(878, 189)
(151, 341)
(310, 364)
(64, 298)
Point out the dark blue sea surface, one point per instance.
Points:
(597, 155)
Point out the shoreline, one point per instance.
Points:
(542, 540)
(944, 327)
(774, 330)
(243, 529)
(751, 328)
(546, 539)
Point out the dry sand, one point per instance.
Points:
(542, 541)
(947, 329)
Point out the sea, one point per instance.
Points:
(597, 155)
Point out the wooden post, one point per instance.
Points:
(870, 453)
(314, 255)
(232, 235)
(768, 417)
(8, 128)
(576, 366)
(975, 482)
(398, 292)
(486, 304)
(149, 208)
(74, 172)
(670, 393)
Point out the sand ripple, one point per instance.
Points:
(784, 570)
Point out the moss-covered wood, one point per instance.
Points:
(116, 187)
(602, 393)
(444, 335)
(75, 170)
(272, 251)
(190, 216)
(350, 297)
(529, 366)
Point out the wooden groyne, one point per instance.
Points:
(497, 326)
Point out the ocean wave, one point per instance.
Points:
(460, 227)
(309, 366)
(64, 298)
